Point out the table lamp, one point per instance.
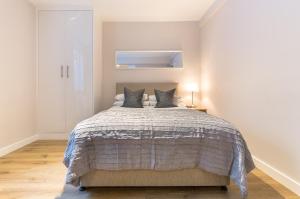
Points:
(192, 88)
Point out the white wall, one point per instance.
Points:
(251, 77)
(17, 66)
(97, 61)
(149, 36)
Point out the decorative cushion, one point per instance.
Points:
(121, 97)
(176, 100)
(164, 99)
(120, 103)
(133, 99)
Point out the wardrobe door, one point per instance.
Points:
(51, 74)
(79, 38)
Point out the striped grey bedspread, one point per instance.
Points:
(157, 139)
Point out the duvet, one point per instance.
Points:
(157, 139)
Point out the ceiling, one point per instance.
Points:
(53, 3)
(138, 10)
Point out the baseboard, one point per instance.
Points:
(53, 136)
(279, 176)
(17, 145)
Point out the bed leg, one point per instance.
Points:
(224, 188)
(82, 188)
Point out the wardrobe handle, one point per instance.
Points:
(62, 71)
(67, 71)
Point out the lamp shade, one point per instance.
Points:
(192, 87)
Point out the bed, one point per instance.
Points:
(123, 147)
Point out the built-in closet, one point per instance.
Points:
(64, 83)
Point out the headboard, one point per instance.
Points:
(149, 87)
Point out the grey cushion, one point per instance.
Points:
(164, 99)
(133, 99)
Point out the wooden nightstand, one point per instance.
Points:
(199, 109)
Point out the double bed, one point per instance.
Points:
(122, 147)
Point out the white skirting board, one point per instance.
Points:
(43, 136)
(277, 175)
(17, 145)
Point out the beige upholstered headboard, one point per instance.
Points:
(149, 87)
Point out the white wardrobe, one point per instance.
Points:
(65, 70)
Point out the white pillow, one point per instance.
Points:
(118, 103)
(152, 98)
(152, 103)
(146, 103)
(177, 100)
(181, 104)
(121, 97)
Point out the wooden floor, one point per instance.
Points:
(36, 172)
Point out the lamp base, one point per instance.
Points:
(191, 106)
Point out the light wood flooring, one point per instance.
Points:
(36, 172)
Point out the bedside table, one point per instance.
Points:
(202, 109)
(199, 109)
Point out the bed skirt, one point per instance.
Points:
(149, 178)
